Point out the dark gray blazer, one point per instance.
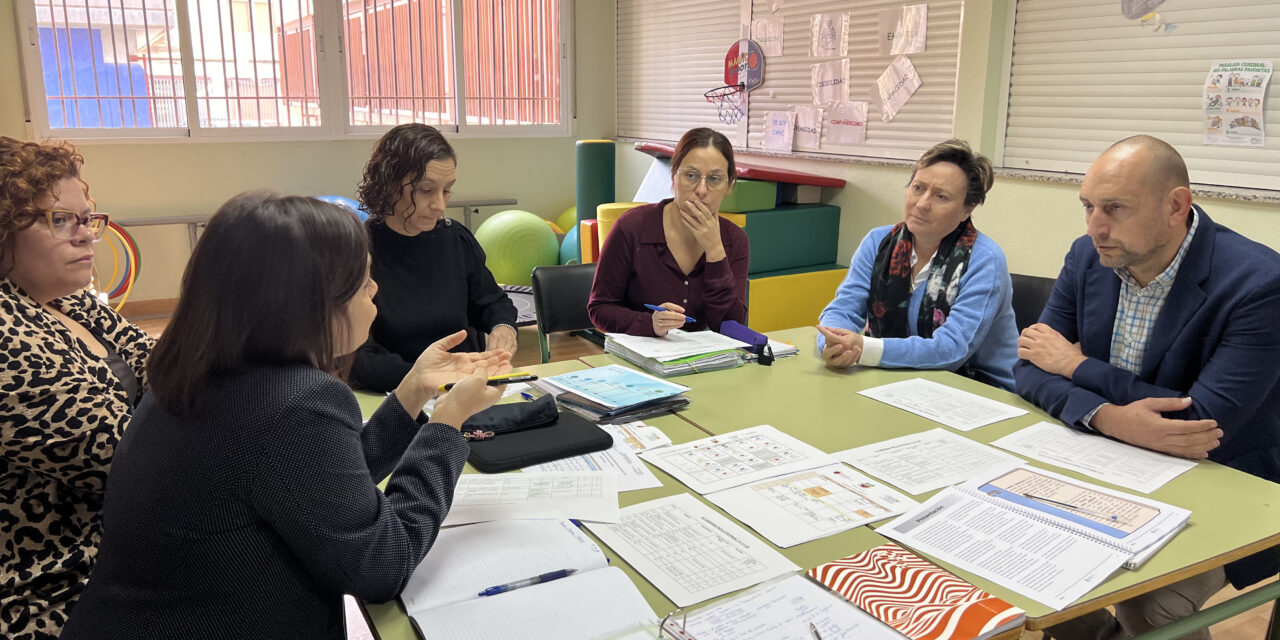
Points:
(253, 517)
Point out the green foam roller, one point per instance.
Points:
(595, 176)
(792, 236)
(750, 195)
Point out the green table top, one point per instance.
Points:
(1232, 513)
(389, 618)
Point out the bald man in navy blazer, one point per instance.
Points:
(1162, 331)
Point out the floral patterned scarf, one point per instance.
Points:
(891, 281)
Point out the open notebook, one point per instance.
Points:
(442, 597)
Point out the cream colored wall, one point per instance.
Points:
(1034, 222)
(143, 180)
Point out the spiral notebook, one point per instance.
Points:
(915, 597)
(1048, 536)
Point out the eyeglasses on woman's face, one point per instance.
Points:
(64, 224)
(715, 181)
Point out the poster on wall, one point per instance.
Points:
(903, 30)
(808, 127)
(830, 81)
(767, 32)
(895, 86)
(830, 35)
(847, 123)
(779, 130)
(1235, 93)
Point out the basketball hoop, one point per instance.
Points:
(728, 100)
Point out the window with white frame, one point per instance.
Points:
(265, 68)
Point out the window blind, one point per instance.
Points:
(925, 120)
(668, 54)
(1083, 76)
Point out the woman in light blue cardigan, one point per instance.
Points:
(931, 292)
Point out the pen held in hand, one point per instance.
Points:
(654, 307)
(527, 582)
(508, 378)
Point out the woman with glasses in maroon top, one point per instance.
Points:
(678, 254)
(71, 372)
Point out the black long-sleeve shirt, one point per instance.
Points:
(429, 286)
(252, 517)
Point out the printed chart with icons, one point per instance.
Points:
(729, 456)
(831, 498)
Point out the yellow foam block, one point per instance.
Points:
(609, 212)
(793, 300)
(739, 219)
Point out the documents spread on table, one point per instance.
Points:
(688, 551)
(506, 496)
(443, 594)
(615, 386)
(957, 409)
(1100, 457)
(676, 344)
(783, 610)
(736, 458)
(633, 474)
(1049, 537)
(921, 462)
(804, 506)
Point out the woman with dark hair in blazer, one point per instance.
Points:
(242, 501)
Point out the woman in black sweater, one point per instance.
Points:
(242, 500)
(430, 270)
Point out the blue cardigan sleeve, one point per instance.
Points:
(971, 317)
(849, 308)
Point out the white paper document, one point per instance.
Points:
(1038, 560)
(1100, 457)
(921, 462)
(799, 507)
(779, 130)
(638, 436)
(513, 496)
(595, 604)
(960, 410)
(895, 87)
(688, 551)
(736, 458)
(633, 474)
(677, 344)
(783, 610)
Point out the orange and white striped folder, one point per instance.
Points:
(919, 599)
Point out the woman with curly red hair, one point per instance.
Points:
(71, 372)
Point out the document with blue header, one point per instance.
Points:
(615, 386)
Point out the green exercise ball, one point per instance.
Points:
(568, 219)
(514, 243)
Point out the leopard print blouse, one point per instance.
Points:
(61, 414)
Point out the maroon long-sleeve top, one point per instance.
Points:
(637, 268)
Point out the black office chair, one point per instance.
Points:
(1030, 293)
(560, 299)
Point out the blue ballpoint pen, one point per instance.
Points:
(546, 577)
(654, 307)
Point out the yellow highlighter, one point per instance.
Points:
(506, 378)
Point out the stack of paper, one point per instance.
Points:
(614, 393)
(679, 352)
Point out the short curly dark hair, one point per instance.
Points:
(403, 152)
(978, 174)
(28, 173)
